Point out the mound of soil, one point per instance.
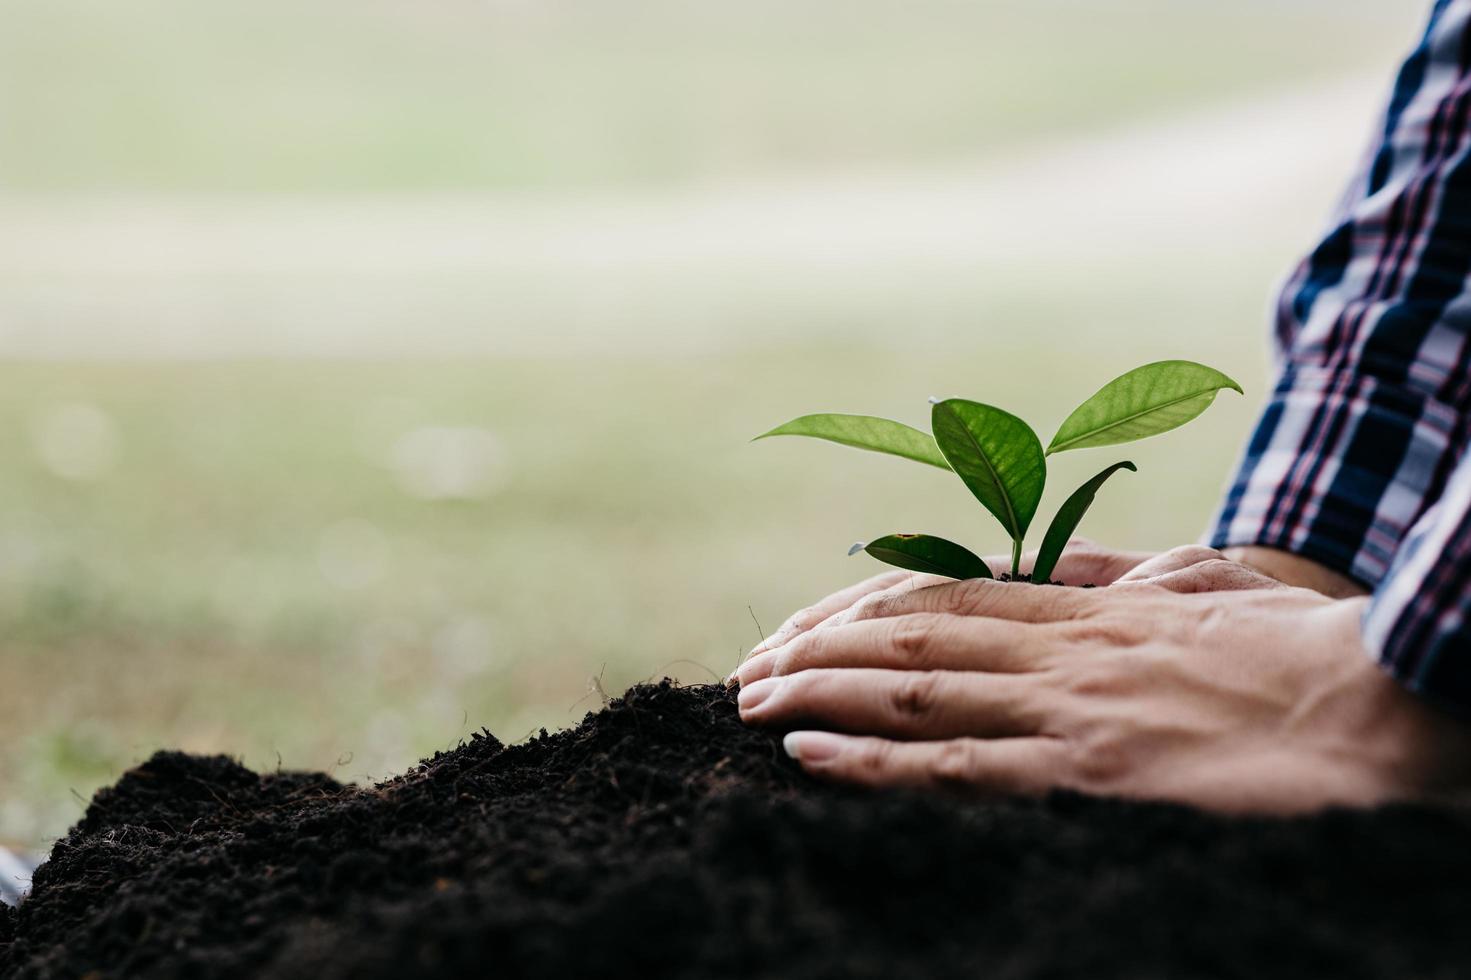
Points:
(662, 838)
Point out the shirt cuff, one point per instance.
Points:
(1340, 467)
(1418, 622)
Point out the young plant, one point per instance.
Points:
(1001, 460)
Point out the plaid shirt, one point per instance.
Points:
(1358, 459)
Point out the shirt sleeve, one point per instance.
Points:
(1370, 411)
(1417, 621)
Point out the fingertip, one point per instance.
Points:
(754, 694)
(755, 669)
(813, 748)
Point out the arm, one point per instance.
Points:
(1373, 401)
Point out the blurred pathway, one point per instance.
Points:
(526, 273)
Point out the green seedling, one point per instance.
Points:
(1002, 462)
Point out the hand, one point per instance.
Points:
(1283, 566)
(1297, 570)
(1260, 698)
(1083, 563)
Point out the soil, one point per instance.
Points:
(661, 838)
(1008, 577)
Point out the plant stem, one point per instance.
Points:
(1016, 558)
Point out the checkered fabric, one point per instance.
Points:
(1358, 459)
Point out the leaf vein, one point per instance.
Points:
(1059, 447)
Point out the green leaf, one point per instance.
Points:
(923, 553)
(865, 432)
(997, 455)
(1067, 520)
(1146, 401)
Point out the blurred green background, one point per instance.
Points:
(374, 371)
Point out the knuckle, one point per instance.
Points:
(917, 694)
(809, 649)
(821, 649)
(913, 640)
(967, 596)
(787, 655)
(1223, 574)
(955, 764)
(875, 755)
(1100, 759)
(873, 606)
(800, 687)
(805, 619)
(1208, 575)
(791, 657)
(1192, 554)
(1217, 566)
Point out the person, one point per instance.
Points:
(1318, 653)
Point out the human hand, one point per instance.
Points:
(1188, 568)
(1297, 570)
(1257, 698)
(1083, 562)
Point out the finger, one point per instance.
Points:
(1173, 560)
(921, 641)
(1214, 575)
(1013, 766)
(909, 704)
(1015, 601)
(806, 619)
(875, 599)
(1083, 562)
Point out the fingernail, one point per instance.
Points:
(753, 694)
(812, 746)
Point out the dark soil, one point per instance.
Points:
(1008, 577)
(662, 838)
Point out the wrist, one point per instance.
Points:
(1296, 570)
(1399, 740)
